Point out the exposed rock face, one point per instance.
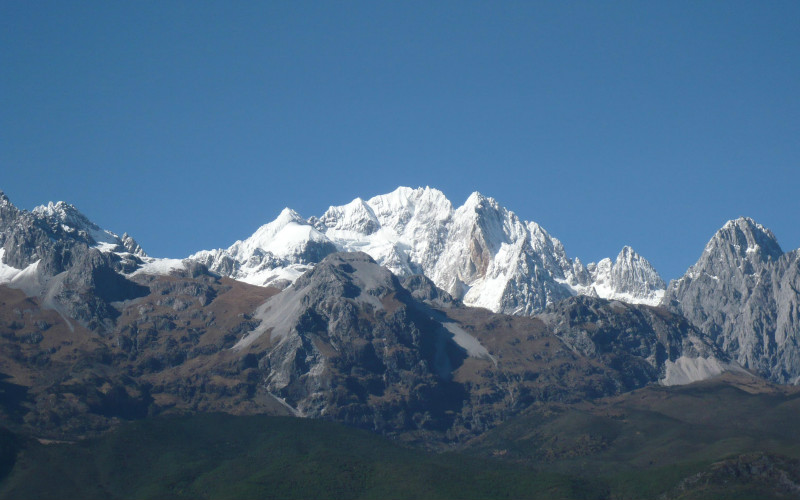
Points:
(480, 252)
(56, 253)
(646, 344)
(743, 292)
(348, 342)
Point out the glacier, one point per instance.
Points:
(479, 252)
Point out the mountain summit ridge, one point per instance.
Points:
(742, 292)
(480, 252)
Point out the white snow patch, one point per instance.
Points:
(159, 266)
(604, 291)
(28, 281)
(686, 370)
(277, 314)
(107, 247)
(470, 344)
(267, 277)
(486, 292)
(7, 273)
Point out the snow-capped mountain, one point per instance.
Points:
(56, 253)
(34, 244)
(276, 254)
(25, 237)
(630, 278)
(348, 340)
(479, 252)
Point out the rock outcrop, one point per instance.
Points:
(743, 293)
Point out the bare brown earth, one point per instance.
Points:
(168, 352)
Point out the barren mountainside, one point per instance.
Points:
(743, 293)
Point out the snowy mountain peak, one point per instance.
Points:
(396, 209)
(480, 204)
(627, 253)
(62, 216)
(356, 216)
(288, 215)
(479, 252)
(475, 199)
(630, 278)
(66, 214)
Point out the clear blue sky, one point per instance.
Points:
(189, 124)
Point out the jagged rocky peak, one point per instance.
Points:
(741, 246)
(633, 274)
(354, 275)
(63, 217)
(47, 230)
(71, 220)
(8, 214)
(742, 292)
(356, 216)
(479, 252)
(132, 245)
(741, 240)
(63, 212)
(630, 278)
(58, 254)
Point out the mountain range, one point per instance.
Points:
(742, 292)
(402, 314)
(480, 252)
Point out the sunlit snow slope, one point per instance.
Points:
(479, 252)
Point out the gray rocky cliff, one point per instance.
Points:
(74, 265)
(346, 341)
(743, 293)
(646, 344)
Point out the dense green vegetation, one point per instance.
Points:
(701, 441)
(705, 440)
(221, 456)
